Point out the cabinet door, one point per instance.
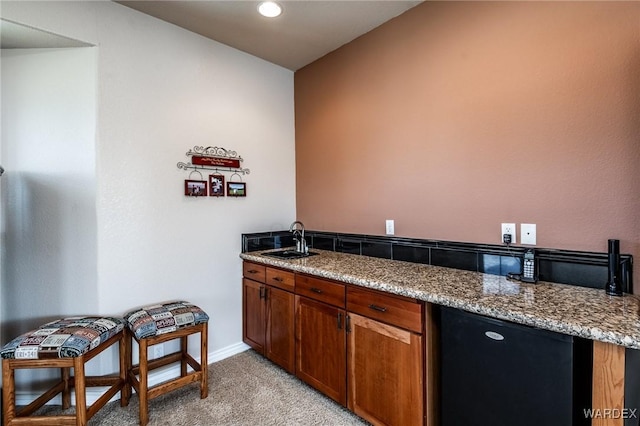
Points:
(385, 373)
(280, 343)
(321, 347)
(253, 314)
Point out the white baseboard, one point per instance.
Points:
(157, 376)
(227, 352)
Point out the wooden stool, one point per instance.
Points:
(157, 324)
(67, 343)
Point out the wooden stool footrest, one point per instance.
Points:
(41, 400)
(158, 362)
(171, 385)
(101, 381)
(193, 363)
(105, 397)
(45, 420)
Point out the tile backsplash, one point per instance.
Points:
(586, 269)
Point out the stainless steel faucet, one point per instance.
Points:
(297, 228)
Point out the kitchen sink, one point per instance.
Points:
(289, 254)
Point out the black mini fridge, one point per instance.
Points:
(498, 373)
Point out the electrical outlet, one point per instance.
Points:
(390, 225)
(158, 351)
(508, 228)
(528, 233)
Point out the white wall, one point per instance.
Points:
(49, 197)
(163, 90)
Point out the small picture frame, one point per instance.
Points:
(195, 188)
(216, 186)
(236, 189)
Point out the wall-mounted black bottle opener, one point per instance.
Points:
(614, 285)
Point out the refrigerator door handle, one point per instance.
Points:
(493, 335)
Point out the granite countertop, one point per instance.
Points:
(577, 311)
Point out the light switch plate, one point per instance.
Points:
(528, 234)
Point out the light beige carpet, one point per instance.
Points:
(244, 389)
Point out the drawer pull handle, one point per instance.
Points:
(378, 308)
(316, 290)
(252, 271)
(278, 279)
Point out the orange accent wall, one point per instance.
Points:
(457, 116)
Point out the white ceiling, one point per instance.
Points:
(306, 30)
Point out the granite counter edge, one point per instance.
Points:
(517, 317)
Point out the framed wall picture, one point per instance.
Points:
(195, 188)
(236, 189)
(216, 185)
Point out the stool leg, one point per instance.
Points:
(204, 365)
(183, 358)
(66, 391)
(81, 391)
(8, 392)
(125, 365)
(144, 375)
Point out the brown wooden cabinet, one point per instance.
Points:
(320, 336)
(253, 314)
(280, 342)
(385, 358)
(268, 313)
(360, 347)
(320, 347)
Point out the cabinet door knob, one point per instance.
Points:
(339, 320)
(263, 292)
(378, 308)
(316, 290)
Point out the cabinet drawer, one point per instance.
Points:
(281, 279)
(253, 271)
(395, 310)
(322, 290)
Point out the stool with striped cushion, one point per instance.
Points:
(66, 343)
(156, 324)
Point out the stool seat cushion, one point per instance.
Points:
(64, 338)
(164, 318)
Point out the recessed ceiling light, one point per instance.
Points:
(270, 9)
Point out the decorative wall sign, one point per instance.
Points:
(195, 188)
(236, 189)
(216, 185)
(217, 160)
